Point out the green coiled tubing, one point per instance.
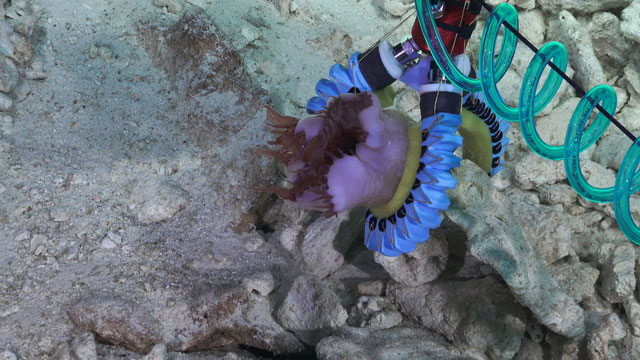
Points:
(492, 69)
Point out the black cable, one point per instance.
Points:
(580, 91)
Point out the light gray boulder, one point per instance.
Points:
(477, 314)
(310, 309)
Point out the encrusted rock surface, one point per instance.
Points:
(478, 314)
(130, 227)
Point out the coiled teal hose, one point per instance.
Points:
(553, 54)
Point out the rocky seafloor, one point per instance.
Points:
(130, 230)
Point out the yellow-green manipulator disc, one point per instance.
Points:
(477, 145)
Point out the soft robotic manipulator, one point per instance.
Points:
(410, 62)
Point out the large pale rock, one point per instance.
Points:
(582, 6)
(311, 309)
(630, 25)
(389, 344)
(575, 36)
(418, 267)
(496, 238)
(478, 314)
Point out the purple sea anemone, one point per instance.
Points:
(351, 154)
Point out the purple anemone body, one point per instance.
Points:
(351, 154)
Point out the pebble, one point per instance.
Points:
(117, 239)
(153, 200)
(58, 215)
(22, 236)
(253, 242)
(5, 103)
(159, 352)
(263, 283)
(173, 6)
(37, 242)
(108, 243)
(36, 74)
(372, 288)
(8, 75)
(84, 346)
(7, 355)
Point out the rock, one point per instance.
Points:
(283, 6)
(532, 25)
(374, 312)
(58, 215)
(173, 6)
(608, 153)
(154, 200)
(310, 309)
(562, 194)
(576, 38)
(577, 278)
(396, 7)
(8, 75)
(5, 102)
(232, 318)
(630, 26)
(372, 288)
(550, 234)
(581, 6)
(159, 352)
(478, 314)
(632, 76)
(326, 241)
(529, 350)
(632, 310)
(596, 174)
(84, 346)
(552, 128)
(7, 355)
(617, 277)
(496, 238)
(108, 244)
(603, 328)
(418, 267)
(389, 344)
(608, 44)
(118, 322)
(262, 283)
(534, 171)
